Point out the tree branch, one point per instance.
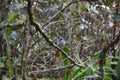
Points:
(52, 69)
(47, 22)
(44, 35)
(12, 26)
(113, 42)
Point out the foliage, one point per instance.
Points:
(88, 26)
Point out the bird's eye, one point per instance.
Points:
(60, 39)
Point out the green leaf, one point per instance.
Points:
(35, 19)
(81, 74)
(118, 1)
(9, 61)
(43, 79)
(49, 2)
(109, 70)
(12, 17)
(65, 61)
(9, 31)
(47, 79)
(52, 79)
(109, 3)
(97, 23)
(76, 72)
(68, 70)
(66, 50)
(107, 78)
(84, 9)
(73, 11)
(119, 53)
(61, 17)
(1, 65)
(117, 70)
(67, 73)
(66, 1)
(10, 67)
(63, 56)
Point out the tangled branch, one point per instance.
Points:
(44, 35)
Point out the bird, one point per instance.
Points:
(60, 43)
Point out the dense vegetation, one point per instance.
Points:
(29, 30)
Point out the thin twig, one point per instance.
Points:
(29, 39)
(67, 21)
(37, 27)
(47, 22)
(52, 69)
(13, 25)
(106, 48)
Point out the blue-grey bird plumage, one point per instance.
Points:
(61, 42)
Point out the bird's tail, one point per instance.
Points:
(57, 53)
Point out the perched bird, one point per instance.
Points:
(61, 43)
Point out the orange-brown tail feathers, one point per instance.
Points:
(57, 53)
